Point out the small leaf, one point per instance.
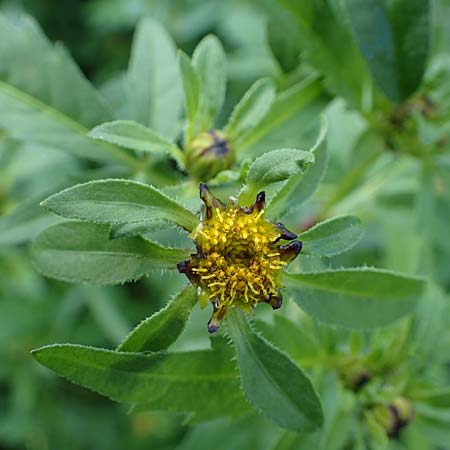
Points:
(162, 329)
(302, 186)
(272, 381)
(153, 80)
(332, 236)
(209, 62)
(191, 86)
(133, 135)
(285, 106)
(273, 167)
(394, 40)
(359, 298)
(203, 382)
(118, 201)
(438, 398)
(81, 252)
(251, 109)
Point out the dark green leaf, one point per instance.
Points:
(359, 298)
(394, 40)
(162, 329)
(81, 252)
(332, 236)
(272, 381)
(202, 382)
(119, 201)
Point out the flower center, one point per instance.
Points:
(238, 258)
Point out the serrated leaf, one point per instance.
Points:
(133, 135)
(299, 188)
(203, 382)
(273, 383)
(81, 252)
(359, 298)
(273, 167)
(209, 62)
(162, 329)
(119, 201)
(250, 110)
(332, 236)
(394, 39)
(154, 84)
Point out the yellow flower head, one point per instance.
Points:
(239, 258)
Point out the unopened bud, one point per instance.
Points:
(208, 154)
(395, 416)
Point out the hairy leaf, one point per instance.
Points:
(162, 329)
(202, 382)
(119, 201)
(273, 383)
(359, 298)
(81, 252)
(332, 236)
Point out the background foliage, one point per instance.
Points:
(387, 105)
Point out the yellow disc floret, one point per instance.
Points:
(238, 258)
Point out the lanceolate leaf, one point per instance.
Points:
(162, 329)
(274, 384)
(251, 109)
(202, 382)
(209, 63)
(359, 298)
(394, 40)
(154, 84)
(285, 106)
(135, 136)
(332, 236)
(191, 87)
(300, 187)
(81, 252)
(119, 201)
(273, 167)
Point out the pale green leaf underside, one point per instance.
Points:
(359, 298)
(81, 252)
(119, 201)
(132, 135)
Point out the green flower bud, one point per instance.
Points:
(208, 154)
(394, 417)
